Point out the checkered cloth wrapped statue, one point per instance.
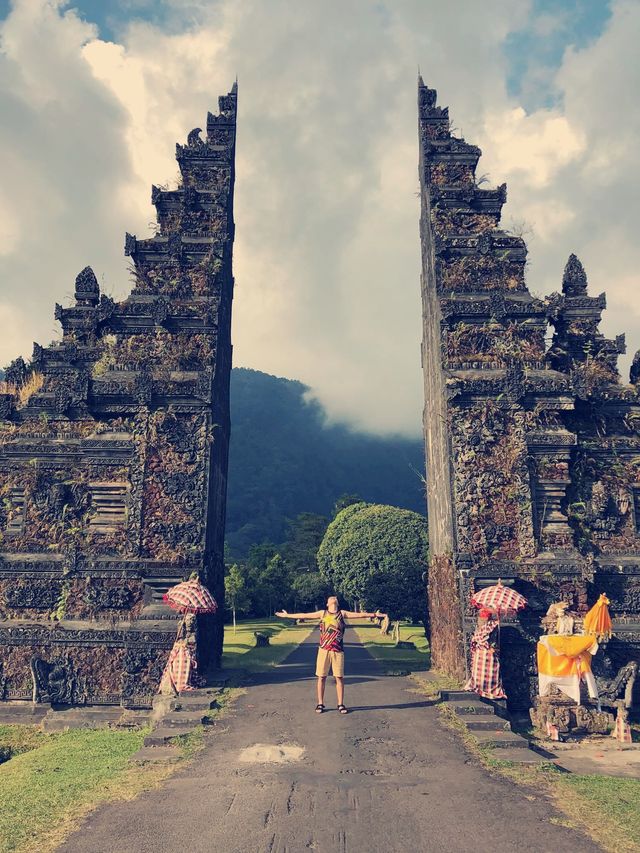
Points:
(179, 671)
(485, 663)
(189, 598)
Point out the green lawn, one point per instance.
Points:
(46, 790)
(383, 648)
(17, 739)
(240, 652)
(608, 806)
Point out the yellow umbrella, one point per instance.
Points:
(598, 621)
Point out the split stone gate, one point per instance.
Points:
(114, 442)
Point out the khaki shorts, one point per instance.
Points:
(330, 660)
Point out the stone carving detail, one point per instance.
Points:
(87, 288)
(193, 139)
(574, 279)
(620, 687)
(57, 682)
(130, 244)
(160, 311)
(32, 597)
(16, 372)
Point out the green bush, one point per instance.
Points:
(375, 555)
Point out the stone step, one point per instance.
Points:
(164, 735)
(500, 740)
(496, 706)
(200, 692)
(159, 586)
(7, 719)
(81, 718)
(159, 610)
(518, 756)
(183, 718)
(471, 706)
(150, 754)
(486, 722)
(195, 703)
(24, 709)
(219, 679)
(456, 695)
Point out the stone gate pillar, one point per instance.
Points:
(113, 453)
(533, 470)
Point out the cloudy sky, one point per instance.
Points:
(94, 95)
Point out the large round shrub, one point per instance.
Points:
(376, 555)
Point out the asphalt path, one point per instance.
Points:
(385, 777)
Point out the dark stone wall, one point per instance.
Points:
(444, 610)
(113, 453)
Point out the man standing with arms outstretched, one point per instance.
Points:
(331, 651)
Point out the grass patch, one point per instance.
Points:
(433, 682)
(383, 648)
(15, 740)
(45, 791)
(54, 780)
(239, 650)
(603, 807)
(606, 805)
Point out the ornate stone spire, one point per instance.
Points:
(87, 287)
(574, 279)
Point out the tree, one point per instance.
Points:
(376, 555)
(311, 590)
(274, 585)
(259, 555)
(235, 592)
(344, 501)
(304, 535)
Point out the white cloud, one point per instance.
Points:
(327, 249)
(9, 227)
(536, 145)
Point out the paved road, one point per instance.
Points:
(386, 777)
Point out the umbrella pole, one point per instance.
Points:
(180, 624)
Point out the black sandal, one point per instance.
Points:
(343, 709)
(319, 709)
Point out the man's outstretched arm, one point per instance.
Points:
(282, 614)
(348, 614)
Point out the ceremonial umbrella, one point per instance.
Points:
(190, 597)
(499, 598)
(598, 621)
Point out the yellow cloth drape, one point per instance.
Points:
(563, 661)
(561, 655)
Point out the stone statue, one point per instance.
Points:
(557, 620)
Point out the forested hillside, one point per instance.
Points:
(284, 460)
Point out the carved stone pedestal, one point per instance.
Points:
(559, 714)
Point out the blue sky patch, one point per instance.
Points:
(535, 52)
(114, 16)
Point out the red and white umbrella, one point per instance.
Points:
(190, 597)
(499, 598)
